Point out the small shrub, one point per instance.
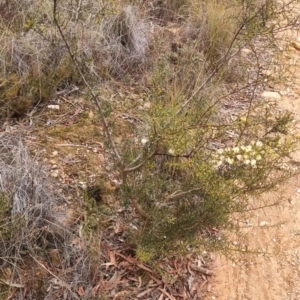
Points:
(190, 163)
(198, 165)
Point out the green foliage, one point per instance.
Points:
(192, 186)
(198, 166)
(5, 230)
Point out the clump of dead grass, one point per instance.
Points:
(107, 40)
(126, 36)
(31, 209)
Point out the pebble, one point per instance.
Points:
(266, 73)
(296, 45)
(54, 173)
(147, 105)
(269, 94)
(54, 153)
(53, 106)
(245, 52)
(263, 223)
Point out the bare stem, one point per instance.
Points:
(94, 97)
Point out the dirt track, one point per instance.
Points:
(276, 275)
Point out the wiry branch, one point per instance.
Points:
(95, 98)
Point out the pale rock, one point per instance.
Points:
(283, 93)
(55, 107)
(147, 105)
(83, 184)
(266, 73)
(245, 52)
(54, 173)
(269, 94)
(296, 45)
(91, 115)
(263, 223)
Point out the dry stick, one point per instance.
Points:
(94, 97)
(12, 284)
(202, 270)
(167, 294)
(139, 209)
(78, 10)
(135, 168)
(177, 194)
(63, 284)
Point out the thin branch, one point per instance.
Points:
(139, 209)
(62, 283)
(94, 97)
(226, 57)
(177, 194)
(135, 168)
(78, 10)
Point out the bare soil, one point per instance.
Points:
(274, 272)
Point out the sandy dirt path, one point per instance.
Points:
(275, 275)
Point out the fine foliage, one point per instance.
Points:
(190, 163)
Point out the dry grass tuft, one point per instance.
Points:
(29, 199)
(34, 63)
(31, 212)
(126, 40)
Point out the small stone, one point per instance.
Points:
(147, 105)
(56, 107)
(296, 45)
(54, 173)
(83, 184)
(91, 115)
(245, 52)
(54, 153)
(263, 223)
(269, 94)
(266, 73)
(283, 93)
